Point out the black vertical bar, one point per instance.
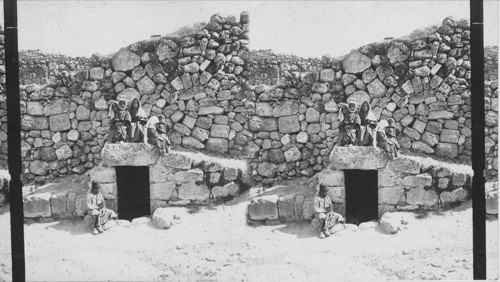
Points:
(478, 154)
(14, 140)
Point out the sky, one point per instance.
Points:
(303, 28)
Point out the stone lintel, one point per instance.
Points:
(357, 157)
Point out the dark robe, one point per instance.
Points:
(138, 124)
(348, 129)
(119, 126)
(367, 127)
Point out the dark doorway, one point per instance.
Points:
(361, 192)
(133, 191)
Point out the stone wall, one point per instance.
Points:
(404, 184)
(422, 81)
(180, 178)
(277, 111)
(196, 81)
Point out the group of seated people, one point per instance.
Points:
(131, 124)
(360, 128)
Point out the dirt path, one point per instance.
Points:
(217, 244)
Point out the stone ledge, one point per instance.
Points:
(129, 154)
(357, 157)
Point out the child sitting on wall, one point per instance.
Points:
(120, 121)
(156, 134)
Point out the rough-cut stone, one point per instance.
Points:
(359, 97)
(390, 196)
(389, 178)
(377, 89)
(218, 130)
(34, 123)
(217, 145)
(192, 191)
(192, 175)
(162, 191)
(64, 152)
(449, 136)
(267, 169)
(164, 218)
(146, 86)
(59, 122)
(391, 222)
(230, 189)
(405, 165)
(263, 124)
(302, 137)
(357, 157)
(103, 174)
(210, 110)
(287, 108)
(263, 110)
(128, 94)
(289, 124)
(263, 208)
(440, 115)
(293, 154)
(447, 150)
(286, 207)
(457, 195)
(420, 196)
(424, 179)
(128, 154)
(192, 143)
(37, 205)
(355, 62)
(312, 115)
(420, 146)
(398, 52)
(125, 60)
(331, 177)
(55, 107)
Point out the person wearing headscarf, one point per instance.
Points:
(367, 127)
(120, 121)
(324, 213)
(138, 123)
(386, 138)
(156, 134)
(96, 207)
(349, 125)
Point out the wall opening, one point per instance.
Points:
(133, 191)
(361, 191)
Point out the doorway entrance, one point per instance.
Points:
(361, 191)
(133, 191)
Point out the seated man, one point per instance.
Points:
(97, 208)
(156, 134)
(324, 213)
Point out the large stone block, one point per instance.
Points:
(178, 161)
(162, 191)
(39, 167)
(286, 108)
(192, 191)
(263, 110)
(289, 124)
(377, 89)
(449, 136)
(128, 94)
(103, 174)
(265, 207)
(447, 150)
(337, 194)
(230, 189)
(219, 130)
(125, 60)
(457, 195)
(293, 154)
(109, 191)
(217, 145)
(420, 196)
(58, 203)
(390, 178)
(357, 157)
(160, 173)
(267, 169)
(56, 107)
(390, 196)
(405, 165)
(34, 123)
(37, 205)
(128, 154)
(59, 122)
(355, 62)
(330, 177)
(440, 115)
(263, 124)
(286, 207)
(423, 179)
(64, 152)
(210, 110)
(192, 175)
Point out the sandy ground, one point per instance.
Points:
(217, 244)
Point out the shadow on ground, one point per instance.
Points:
(72, 226)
